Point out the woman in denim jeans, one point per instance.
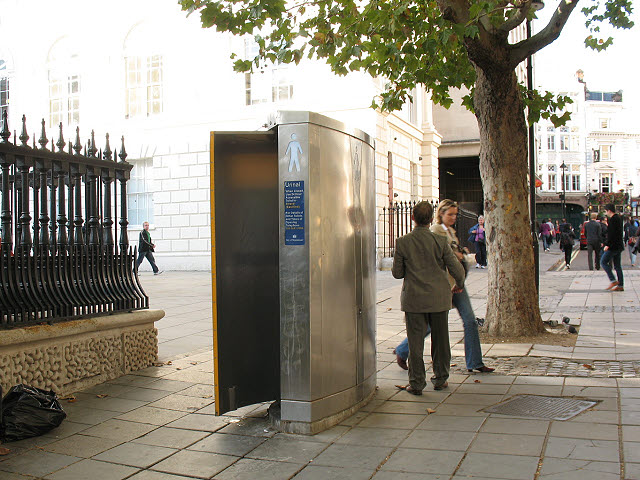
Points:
(445, 219)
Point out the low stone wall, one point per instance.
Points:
(70, 356)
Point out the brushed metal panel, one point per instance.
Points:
(294, 274)
(298, 411)
(334, 364)
(328, 285)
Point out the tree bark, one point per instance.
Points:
(512, 305)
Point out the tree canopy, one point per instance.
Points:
(407, 42)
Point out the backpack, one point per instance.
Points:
(566, 239)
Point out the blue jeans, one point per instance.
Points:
(545, 241)
(605, 261)
(472, 349)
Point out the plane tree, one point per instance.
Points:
(440, 44)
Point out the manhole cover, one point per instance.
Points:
(536, 406)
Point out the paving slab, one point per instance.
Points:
(414, 460)
(135, 455)
(195, 464)
(564, 469)
(511, 467)
(37, 463)
(92, 469)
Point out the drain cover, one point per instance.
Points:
(536, 406)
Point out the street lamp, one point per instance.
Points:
(535, 5)
(629, 194)
(562, 197)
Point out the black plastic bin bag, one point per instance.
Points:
(29, 412)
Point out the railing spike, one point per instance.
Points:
(24, 136)
(60, 143)
(107, 149)
(77, 147)
(5, 133)
(43, 137)
(92, 145)
(123, 153)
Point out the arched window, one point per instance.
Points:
(143, 73)
(64, 83)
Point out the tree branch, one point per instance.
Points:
(547, 35)
(518, 17)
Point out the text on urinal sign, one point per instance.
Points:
(294, 212)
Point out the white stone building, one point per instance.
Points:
(144, 70)
(598, 148)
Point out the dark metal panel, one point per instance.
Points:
(247, 325)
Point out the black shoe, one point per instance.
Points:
(441, 387)
(408, 389)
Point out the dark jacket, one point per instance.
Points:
(614, 234)
(630, 229)
(423, 260)
(145, 243)
(594, 233)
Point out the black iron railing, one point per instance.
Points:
(65, 264)
(396, 222)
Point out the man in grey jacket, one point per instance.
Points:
(593, 233)
(423, 259)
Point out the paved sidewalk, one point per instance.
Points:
(158, 423)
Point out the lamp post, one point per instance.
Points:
(629, 195)
(535, 5)
(562, 198)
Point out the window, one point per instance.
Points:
(413, 167)
(4, 87)
(139, 195)
(564, 142)
(605, 153)
(551, 128)
(567, 182)
(604, 123)
(575, 182)
(143, 74)
(564, 129)
(575, 143)
(551, 168)
(606, 182)
(64, 84)
(552, 182)
(268, 82)
(551, 142)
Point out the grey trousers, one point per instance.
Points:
(591, 249)
(440, 348)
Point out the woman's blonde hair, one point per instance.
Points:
(443, 206)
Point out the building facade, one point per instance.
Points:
(593, 156)
(160, 80)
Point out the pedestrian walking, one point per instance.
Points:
(595, 237)
(567, 237)
(545, 234)
(613, 247)
(423, 259)
(445, 219)
(477, 234)
(556, 231)
(146, 248)
(630, 237)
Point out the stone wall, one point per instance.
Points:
(70, 356)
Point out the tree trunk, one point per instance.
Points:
(512, 304)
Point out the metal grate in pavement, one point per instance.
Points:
(536, 406)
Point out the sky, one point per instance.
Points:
(617, 68)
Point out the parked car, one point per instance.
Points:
(583, 237)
